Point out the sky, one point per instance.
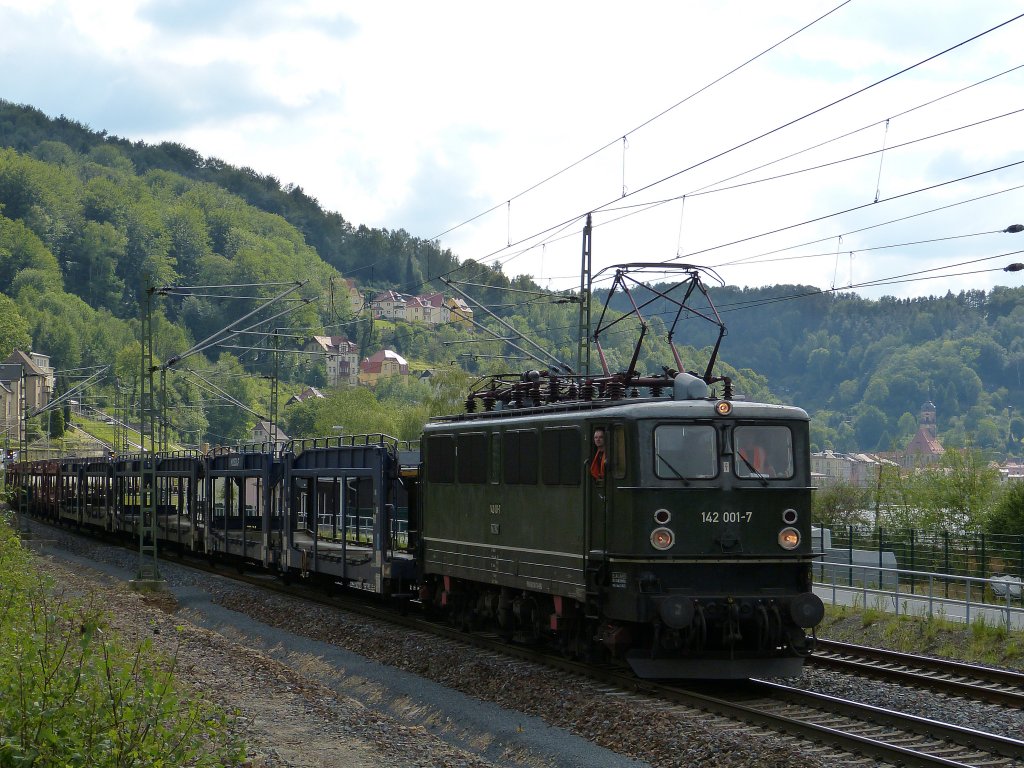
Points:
(495, 130)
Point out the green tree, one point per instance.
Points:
(449, 387)
(55, 420)
(955, 495)
(94, 275)
(21, 249)
(13, 328)
(190, 240)
(839, 505)
(869, 427)
(229, 423)
(1007, 517)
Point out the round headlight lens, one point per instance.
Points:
(662, 517)
(723, 407)
(662, 538)
(789, 538)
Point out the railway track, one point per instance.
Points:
(995, 686)
(826, 724)
(891, 737)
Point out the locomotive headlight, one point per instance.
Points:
(662, 538)
(789, 538)
(723, 408)
(662, 517)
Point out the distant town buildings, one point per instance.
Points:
(432, 309)
(862, 469)
(829, 468)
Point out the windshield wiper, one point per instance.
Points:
(759, 475)
(674, 470)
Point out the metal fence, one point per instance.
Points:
(965, 599)
(976, 555)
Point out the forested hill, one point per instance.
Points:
(85, 216)
(395, 257)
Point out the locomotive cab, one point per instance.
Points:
(703, 545)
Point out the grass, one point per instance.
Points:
(979, 642)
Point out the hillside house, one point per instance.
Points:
(351, 291)
(389, 305)
(265, 432)
(381, 365)
(10, 423)
(27, 384)
(432, 309)
(309, 393)
(459, 311)
(342, 359)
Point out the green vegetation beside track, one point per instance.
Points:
(72, 693)
(977, 642)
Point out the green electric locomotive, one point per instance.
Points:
(680, 544)
(642, 518)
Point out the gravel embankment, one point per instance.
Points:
(316, 687)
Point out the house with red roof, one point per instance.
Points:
(381, 365)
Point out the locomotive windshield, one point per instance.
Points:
(763, 452)
(685, 451)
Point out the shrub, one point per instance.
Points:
(73, 694)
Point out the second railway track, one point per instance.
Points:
(996, 686)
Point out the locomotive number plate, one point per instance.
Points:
(726, 517)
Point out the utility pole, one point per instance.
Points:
(148, 577)
(24, 531)
(583, 332)
(273, 392)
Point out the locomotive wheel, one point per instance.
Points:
(764, 632)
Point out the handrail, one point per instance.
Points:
(930, 601)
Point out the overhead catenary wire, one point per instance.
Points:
(848, 210)
(855, 131)
(832, 214)
(747, 142)
(645, 123)
(635, 208)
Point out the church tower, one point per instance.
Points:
(924, 447)
(926, 418)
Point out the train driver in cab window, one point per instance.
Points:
(599, 460)
(764, 452)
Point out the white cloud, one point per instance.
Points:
(420, 116)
